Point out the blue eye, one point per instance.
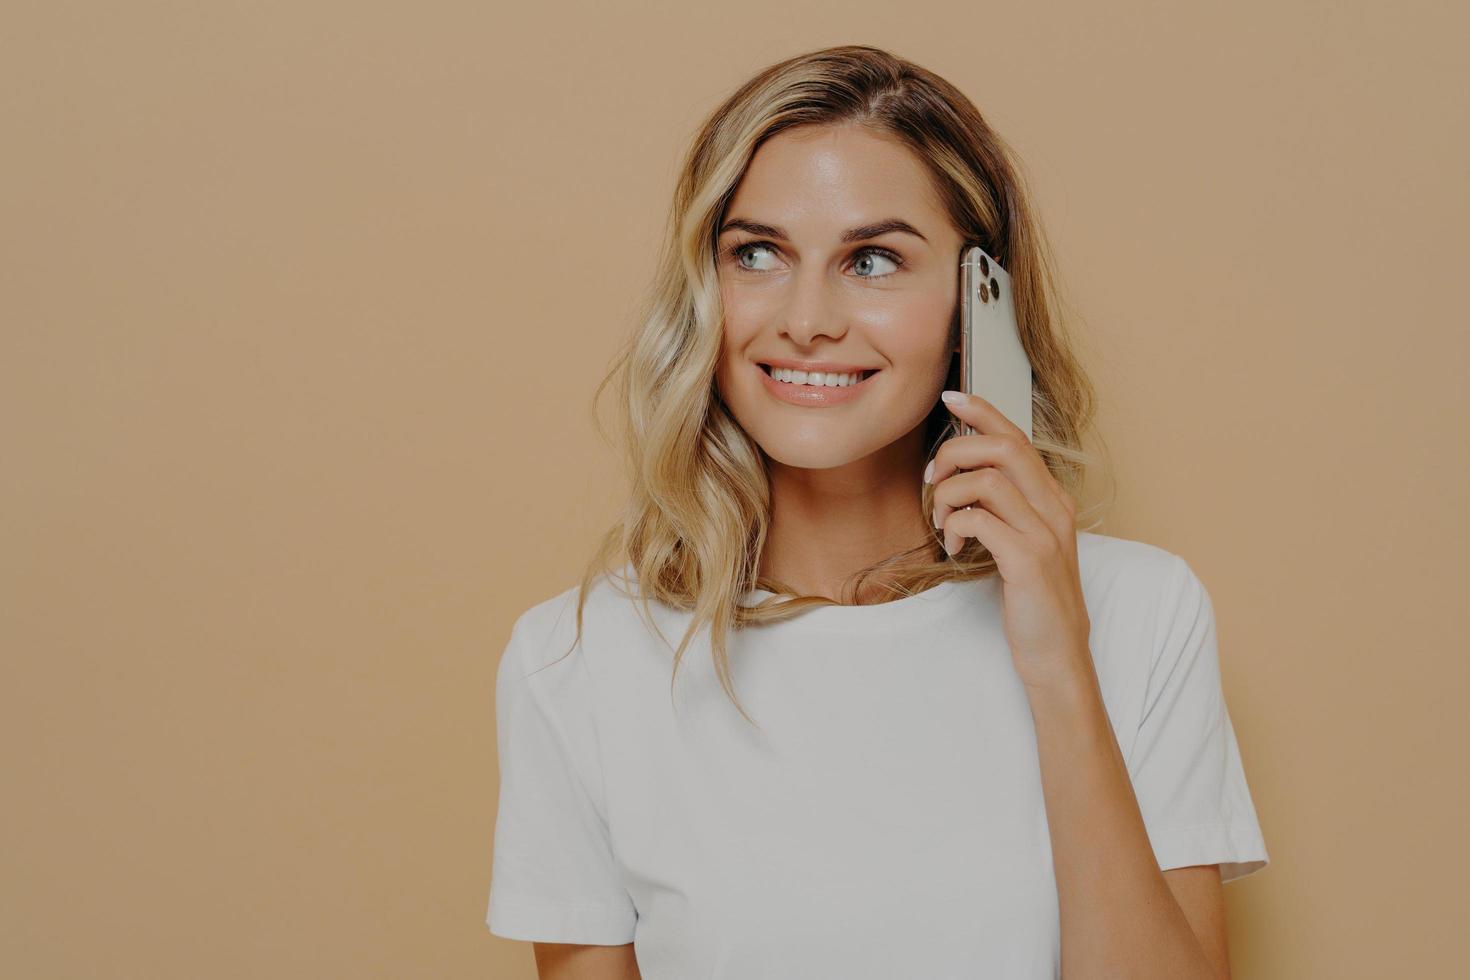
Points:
(736, 253)
(879, 253)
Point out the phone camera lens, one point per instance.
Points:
(984, 293)
(984, 266)
(995, 289)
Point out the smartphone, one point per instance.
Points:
(993, 364)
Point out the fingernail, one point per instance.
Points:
(937, 525)
(929, 471)
(953, 397)
(948, 548)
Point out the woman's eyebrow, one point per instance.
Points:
(858, 234)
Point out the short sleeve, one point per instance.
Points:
(554, 877)
(1185, 763)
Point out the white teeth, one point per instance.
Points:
(816, 378)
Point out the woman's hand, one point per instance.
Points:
(1027, 521)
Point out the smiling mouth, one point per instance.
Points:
(857, 379)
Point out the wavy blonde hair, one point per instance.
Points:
(697, 517)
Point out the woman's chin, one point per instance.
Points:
(819, 449)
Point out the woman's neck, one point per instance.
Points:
(828, 524)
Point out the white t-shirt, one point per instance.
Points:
(889, 820)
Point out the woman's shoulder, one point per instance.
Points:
(1131, 584)
(1141, 598)
(1114, 562)
(550, 624)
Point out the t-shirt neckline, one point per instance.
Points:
(900, 611)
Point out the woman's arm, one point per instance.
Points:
(1198, 890)
(571, 961)
(1120, 914)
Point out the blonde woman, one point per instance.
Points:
(933, 726)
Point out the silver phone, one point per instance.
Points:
(993, 364)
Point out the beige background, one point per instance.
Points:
(296, 421)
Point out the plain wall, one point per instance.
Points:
(296, 415)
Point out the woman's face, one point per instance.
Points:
(835, 251)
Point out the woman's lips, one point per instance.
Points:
(814, 396)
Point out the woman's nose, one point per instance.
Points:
(813, 309)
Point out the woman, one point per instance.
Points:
(933, 729)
